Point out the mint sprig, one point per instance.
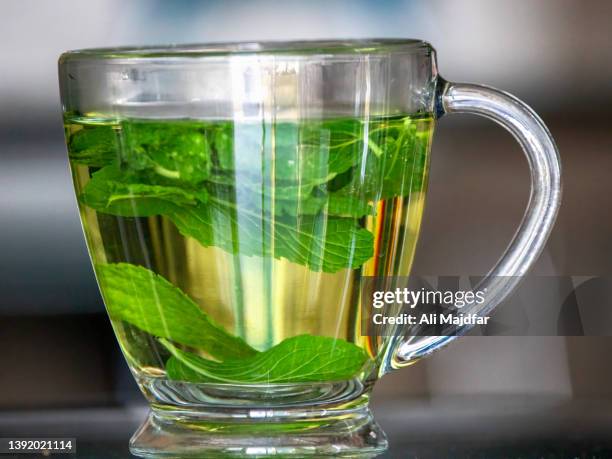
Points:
(283, 190)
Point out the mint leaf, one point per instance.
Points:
(284, 190)
(146, 300)
(221, 138)
(324, 167)
(315, 151)
(292, 199)
(347, 206)
(116, 192)
(398, 171)
(260, 188)
(149, 302)
(331, 204)
(178, 151)
(322, 243)
(300, 358)
(94, 146)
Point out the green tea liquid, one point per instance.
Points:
(266, 227)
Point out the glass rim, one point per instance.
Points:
(222, 49)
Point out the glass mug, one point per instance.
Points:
(233, 196)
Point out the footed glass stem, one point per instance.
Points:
(260, 433)
(315, 420)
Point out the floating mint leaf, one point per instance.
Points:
(146, 300)
(286, 190)
(221, 139)
(116, 192)
(398, 171)
(300, 358)
(178, 151)
(94, 146)
(315, 151)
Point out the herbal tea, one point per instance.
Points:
(232, 251)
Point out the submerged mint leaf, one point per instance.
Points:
(398, 171)
(94, 146)
(116, 192)
(313, 152)
(302, 358)
(178, 151)
(323, 243)
(250, 186)
(288, 190)
(146, 300)
(349, 206)
(221, 137)
(288, 199)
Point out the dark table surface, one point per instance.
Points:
(474, 427)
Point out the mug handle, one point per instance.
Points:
(528, 241)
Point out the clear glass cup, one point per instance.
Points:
(233, 196)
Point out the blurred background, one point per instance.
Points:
(59, 351)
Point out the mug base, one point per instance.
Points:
(352, 433)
